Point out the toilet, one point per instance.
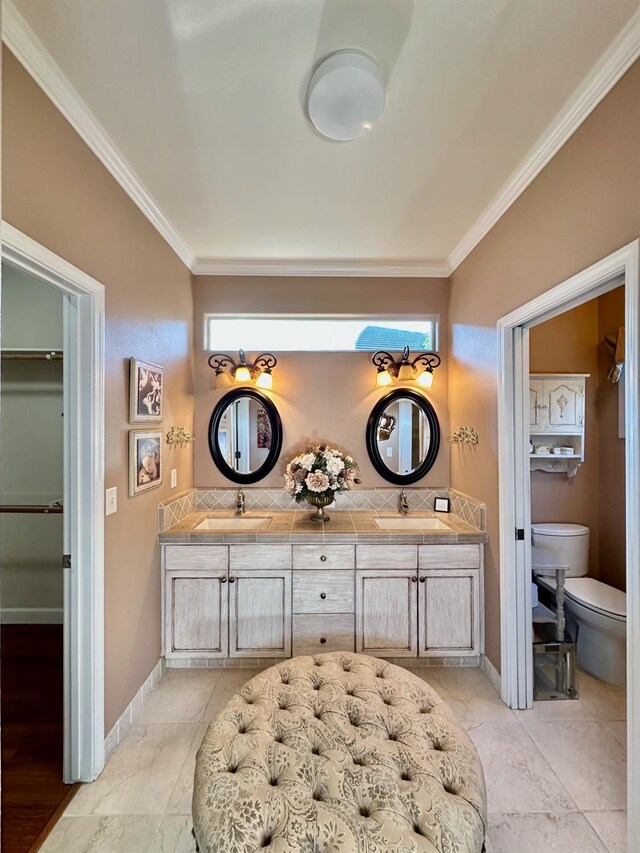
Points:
(595, 611)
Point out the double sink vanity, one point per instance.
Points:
(271, 584)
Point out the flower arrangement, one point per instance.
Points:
(320, 472)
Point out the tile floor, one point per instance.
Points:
(555, 775)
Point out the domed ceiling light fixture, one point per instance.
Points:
(345, 99)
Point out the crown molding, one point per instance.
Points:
(619, 56)
(38, 62)
(353, 268)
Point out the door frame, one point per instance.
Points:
(84, 317)
(621, 267)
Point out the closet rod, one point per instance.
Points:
(32, 355)
(48, 510)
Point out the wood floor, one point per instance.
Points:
(31, 700)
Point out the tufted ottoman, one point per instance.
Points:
(338, 753)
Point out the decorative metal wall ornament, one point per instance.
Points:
(179, 436)
(386, 425)
(464, 435)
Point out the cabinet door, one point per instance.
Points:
(537, 408)
(449, 613)
(564, 399)
(260, 614)
(386, 611)
(196, 611)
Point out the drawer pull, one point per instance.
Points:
(323, 559)
(422, 579)
(323, 595)
(414, 579)
(232, 580)
(323, 640)
(223, 580)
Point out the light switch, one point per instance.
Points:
(389, 452)
(111, 501)
(174, 477)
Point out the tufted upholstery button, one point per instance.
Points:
(374, 778)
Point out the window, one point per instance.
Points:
(318, 334)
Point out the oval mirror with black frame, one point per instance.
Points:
(245, 435)
(403, 436)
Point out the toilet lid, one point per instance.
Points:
(594, 594)
(554, 528)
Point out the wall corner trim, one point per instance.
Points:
(351, 267)
(618, 58)
(38, 62)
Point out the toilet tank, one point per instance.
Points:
(565, 544)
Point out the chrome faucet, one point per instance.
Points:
(404, 503)
(240, 502)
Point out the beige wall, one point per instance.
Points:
(582, 206)
(569, 344)
(320, 396)
(611, 491)
(56, 191)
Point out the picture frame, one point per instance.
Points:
(145, 460)
(146, 392)
(263, 430)
(441, 505)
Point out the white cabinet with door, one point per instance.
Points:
(259, 613)
(557, 421)
(428, 606)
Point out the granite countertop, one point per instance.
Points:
(286, 526)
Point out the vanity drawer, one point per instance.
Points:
(259, 557)
(323, 592)
(190, 557)
(387, 556)
(323, 557)
(449, 556)
(317, 633)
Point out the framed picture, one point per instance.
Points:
(264, 430)
(146, 390)
(145, 460)
(441, 505)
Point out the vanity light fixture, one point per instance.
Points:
(419, 370)
(258, 372)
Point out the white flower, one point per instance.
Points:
(306, 460)
(334, 465)
(317, 482)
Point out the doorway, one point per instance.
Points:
(515, 500)
(80, 602)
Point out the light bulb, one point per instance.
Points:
(265, 380)
(243, 374)
(383, 378)
(425, 378)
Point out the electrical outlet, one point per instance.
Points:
(174, 477)
(389, 452)
(111, 501)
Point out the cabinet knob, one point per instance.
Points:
(232, 580)
(323, 595)
(323, 640)
(223, 580)
(422, 579)
(323, 559)
(414, 579)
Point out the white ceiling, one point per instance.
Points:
(202, 104)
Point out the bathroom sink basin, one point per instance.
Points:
(411, 523)
(236, 523)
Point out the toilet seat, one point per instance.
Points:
(594, 595)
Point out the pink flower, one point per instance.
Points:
(317, 482)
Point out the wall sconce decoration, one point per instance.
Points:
(258, 372)
(178, 436)
(464, 435)
(420, 369)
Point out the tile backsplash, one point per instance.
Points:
(171, 512)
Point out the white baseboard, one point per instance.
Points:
(492, 674)
(31, 616)
(132, 711)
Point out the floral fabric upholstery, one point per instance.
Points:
(338, 753)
